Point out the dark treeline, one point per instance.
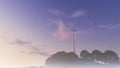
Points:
(96, 57)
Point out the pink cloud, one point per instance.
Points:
(64, 33)
(78, 13)
(61, 33)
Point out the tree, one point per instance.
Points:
(85, 54)
(111, 57)
(62, 58)
(97, 55)
(86, 58)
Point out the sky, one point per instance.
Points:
(32, 30)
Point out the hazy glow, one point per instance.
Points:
(30, 31)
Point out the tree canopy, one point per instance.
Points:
(96, 57)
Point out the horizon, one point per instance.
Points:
(33, 30)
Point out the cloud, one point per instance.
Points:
(109, 26)
(78, 13)
(61, 33)
(56, 12)
(37, 50)
(20, 42)
(29, 48)
(40, 53)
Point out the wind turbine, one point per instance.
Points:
(73, 37)
(72, 29)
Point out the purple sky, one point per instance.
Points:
(38, 28)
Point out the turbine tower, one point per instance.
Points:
(73, 38)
